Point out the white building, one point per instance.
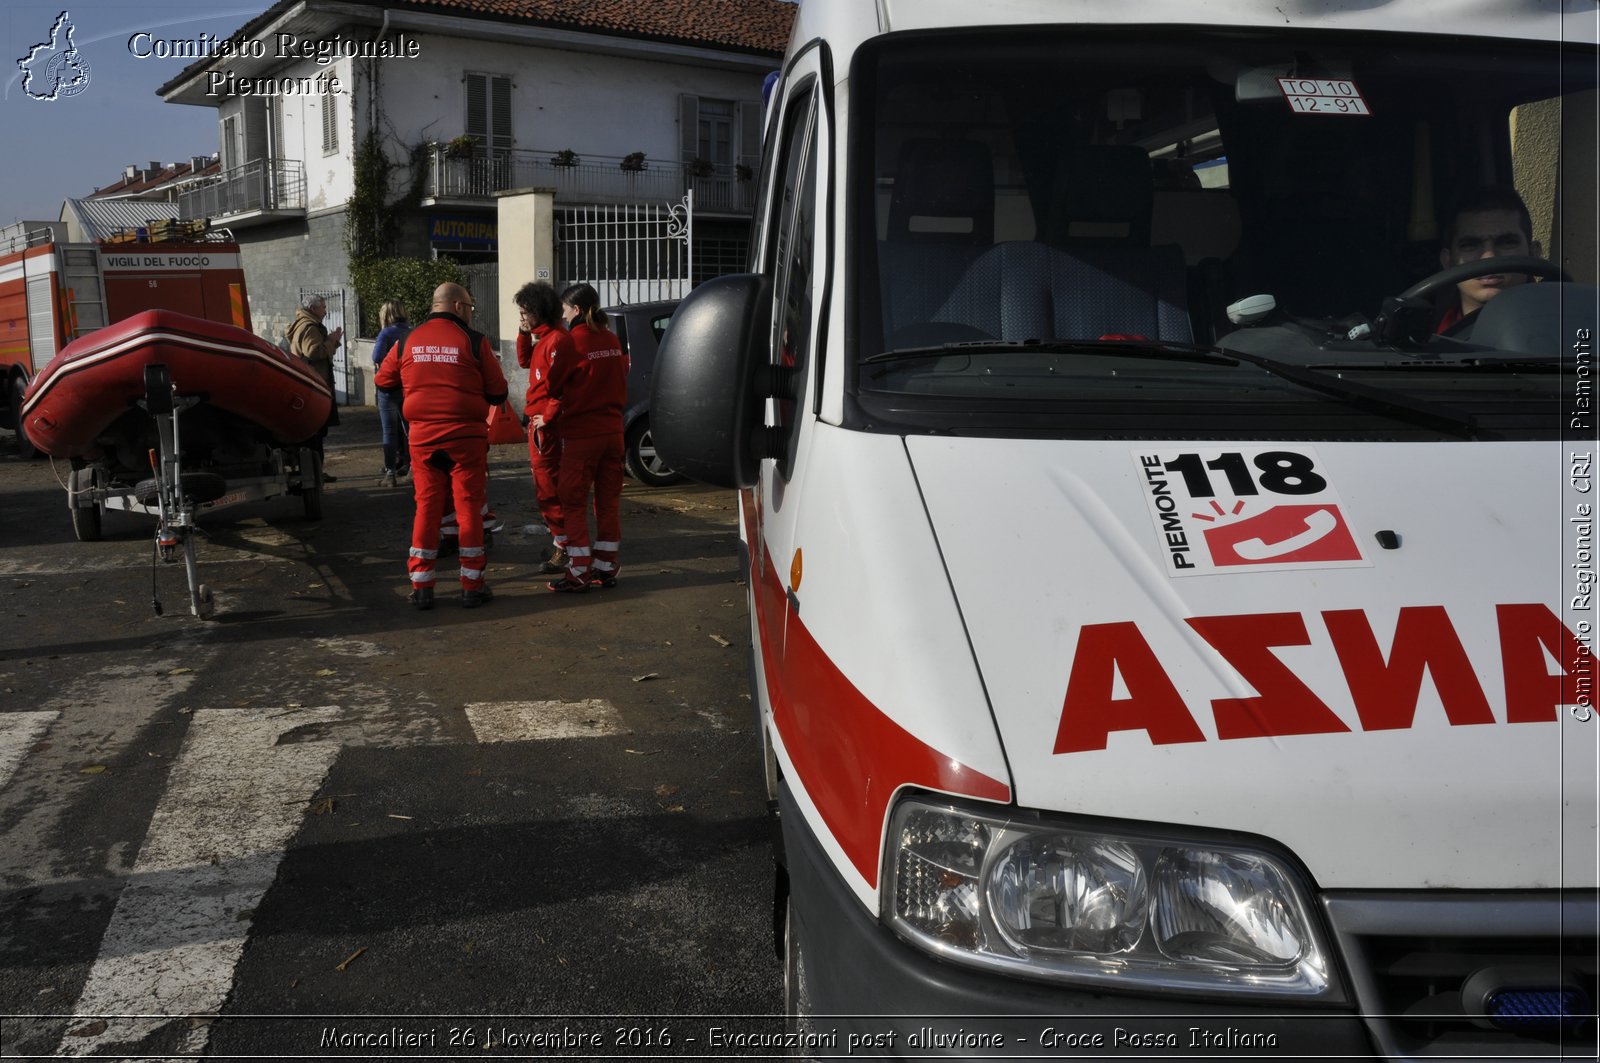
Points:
(551, 95)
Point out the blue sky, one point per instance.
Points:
(67, 147)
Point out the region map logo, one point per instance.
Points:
(54, 69)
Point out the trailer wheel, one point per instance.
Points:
(25, 445)
(311, 483)
(85, 519)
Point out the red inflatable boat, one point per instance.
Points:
(73, 406)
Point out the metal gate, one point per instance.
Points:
(334, 298)
(633, 253)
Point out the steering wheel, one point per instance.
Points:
(1449, 277)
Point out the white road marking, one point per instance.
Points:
(535, 721)
(233, 802)
(19, 732)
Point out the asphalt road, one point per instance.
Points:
(322, 824)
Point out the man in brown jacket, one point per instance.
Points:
(310, 340)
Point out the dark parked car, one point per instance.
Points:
(640, 327)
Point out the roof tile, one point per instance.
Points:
(756, 25)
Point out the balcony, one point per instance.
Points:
(260, 191)
(471, 179)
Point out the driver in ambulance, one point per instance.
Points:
(1489, 223)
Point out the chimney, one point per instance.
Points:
(130, 172)
(198, 163)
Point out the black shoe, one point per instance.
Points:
(555, 563)
(328, 478)
(471, 599)
(568, 585)
(605, 580)
(421, 598)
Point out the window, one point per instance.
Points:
(794, 257)
(489, 110)
(724, 133)
(330, 123)
(715, 133)
(257, 140)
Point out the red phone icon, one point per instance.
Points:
(1284, 534)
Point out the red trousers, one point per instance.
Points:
(592, 463)
(465, 478)
(544, 456)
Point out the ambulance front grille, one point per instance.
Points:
(1420, 983)
(1452, 991)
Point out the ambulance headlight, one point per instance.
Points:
(1087, 904)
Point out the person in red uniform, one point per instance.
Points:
(450, 377)
(592, 389)
(541, 339)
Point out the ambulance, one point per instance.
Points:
(53, 291)
(1166, 462)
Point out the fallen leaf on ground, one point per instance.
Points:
(720, 641)
(647, 675)
(323, 807)
(642, 752)
(325, 672)
(93, 769)
(666, 789)
(673, 808)
(180, 671)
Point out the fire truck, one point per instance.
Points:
(53, 291)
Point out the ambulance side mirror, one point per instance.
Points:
(707, 403)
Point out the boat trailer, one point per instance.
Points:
(176, 496)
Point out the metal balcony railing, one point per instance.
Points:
(592, 179)
(258, 185)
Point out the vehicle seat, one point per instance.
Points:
(1023, 290)
(941, 218)
(1102, 196)
(1096, 273)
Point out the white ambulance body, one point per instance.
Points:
(1144, 665)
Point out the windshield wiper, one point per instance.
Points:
(1497, 364)
(1439, 417)
(1140, 349)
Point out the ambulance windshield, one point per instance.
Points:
(1038, 217)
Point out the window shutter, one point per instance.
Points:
(749, 147)
(230, 143)
(689, 127)
(255, 128)
(330, 123)
(500, 113)
(477, 106)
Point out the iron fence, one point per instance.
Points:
(598, 179)
(258, 185)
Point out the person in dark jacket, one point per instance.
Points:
(392, 328)
(309, 339)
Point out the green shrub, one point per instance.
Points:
(411, 280)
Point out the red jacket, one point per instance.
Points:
(592, 386)
(450, 377)
(537, 358)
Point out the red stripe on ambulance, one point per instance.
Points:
(849, 755)
(1385, 688)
